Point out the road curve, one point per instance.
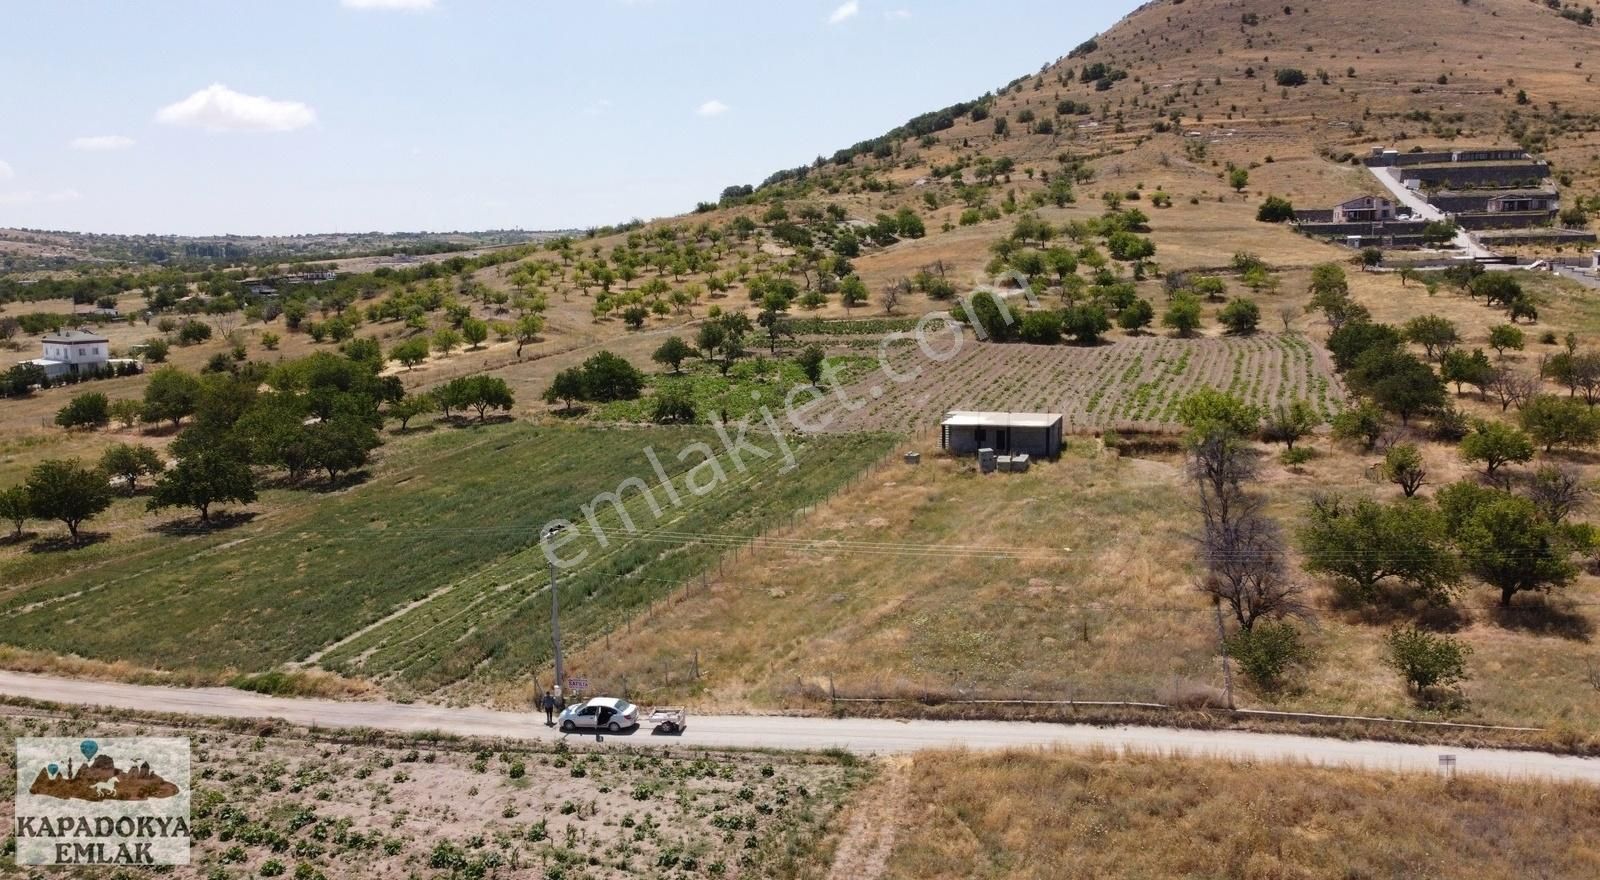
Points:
(860, 735)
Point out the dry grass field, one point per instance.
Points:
(1075, 580)
(1025, 815)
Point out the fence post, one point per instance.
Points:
(696, 666)
(833, 695)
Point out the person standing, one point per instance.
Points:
(549, 703)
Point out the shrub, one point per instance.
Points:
(1276, 210)
(90, 410)
(1426, 660)
(1290, 77)
(1268, 651)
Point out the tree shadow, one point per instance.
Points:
(475, 422)
(1391, 605)
(570, 414)
(408, 431)
(67, 544)
(219, 522)
(13, 538)
(1544, 618)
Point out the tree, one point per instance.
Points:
(673, 406)
(1438, 336)
(410, 352)
(1353, 339)
(608, 377)
(1371, 258)
(126, 411)
(476, 331)
(15, 508)
(1238, 178)
(852, 292)
(341, 444)
(1130, 248)
(812, 359)
(155, 350)
(1558, 492)
(65, 490)
(1287, 423)
(1402, 465)
(1290, 77)
(445, 341)
(1363, 422)
(1363, 543)
(482, 393)
(1425, 660)
(205, 478)
(1242, 549)
(1084, 323)
(131, 461)
(1559, 421)
(1241, 317)
(1511, 386)
(1504, 336)
(1506, 544)
(566, 386)
(1276, 210)
(1183, 315)
(1212, 413)
(673, 353)
(410, 407)
(89, 410)
(170, 395)
(1397, 382)
(774, 318)
(1137, 316)
(1459, 368)
(1496, 444)
(527, 331)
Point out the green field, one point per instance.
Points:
(451, 518)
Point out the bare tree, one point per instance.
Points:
(1242, 548)
(890, 297)
(1558, 491)
(1512, 387)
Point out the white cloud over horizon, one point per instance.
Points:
(101, 143)
(389, 5)
(850, 9)
(217, 108)
(712, 107)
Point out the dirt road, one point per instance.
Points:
(861, 735)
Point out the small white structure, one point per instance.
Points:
(73, 351)
(1035, 434)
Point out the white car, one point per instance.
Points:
(600, 713)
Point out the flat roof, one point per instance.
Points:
(74, 336)
(1000, 420)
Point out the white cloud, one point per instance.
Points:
(219, 108)
(598, 108)
(713, 108)
(101, 142)
(897, 14)
(6, 173)
(845, 12)
(403, 5)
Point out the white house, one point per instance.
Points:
(1366, 209)
(73, 351)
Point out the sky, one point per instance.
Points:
(199, 117)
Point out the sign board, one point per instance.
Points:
(577, 684)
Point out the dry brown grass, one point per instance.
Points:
(1057, 815)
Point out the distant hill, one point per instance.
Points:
(1259, 80)
(24, 250)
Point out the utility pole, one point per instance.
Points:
(555, 617)
(1222, 645)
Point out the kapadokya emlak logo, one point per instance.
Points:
(109, 801)
(99, 778)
